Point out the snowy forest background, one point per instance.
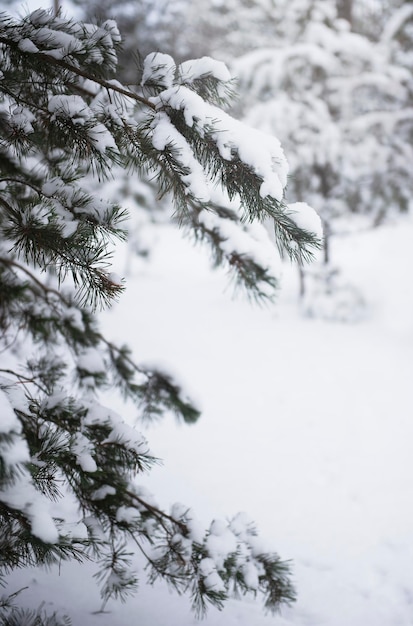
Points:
(306, 402)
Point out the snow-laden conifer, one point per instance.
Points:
(65, 118)
(342, 106)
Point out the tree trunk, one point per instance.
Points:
(345, 10)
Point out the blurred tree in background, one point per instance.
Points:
(341, 104)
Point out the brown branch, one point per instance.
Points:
(100, 81)
(21, 182)
(24, 380)
(38, 282)
(160, 515)
(79, 72)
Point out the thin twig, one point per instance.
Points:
(160, 515)
(24, 380)
(38, 282)
(79, 72)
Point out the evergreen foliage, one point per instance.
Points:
(341, 103)
(65, 118)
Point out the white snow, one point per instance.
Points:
(163, 134)
(59, 44)
(9, 422)
(71, 106)
(160, 68)
(83, 449)
(102, 492)
(17, 399)
(23, 496)
(250, 575)
(128, 436)
(21, 118)
(39, 16)
(127, 514)
(115, 279)
(258, 150)
(306, 423)
(306, 426)
(92, 361)
(74, 317)
(191, 70)
(250, 240)
(15, 452)
(306, 218)
(211, 578)
(26, 45)
(75, 108)
(396, 21)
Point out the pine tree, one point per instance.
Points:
(66, 121)
(341, 105)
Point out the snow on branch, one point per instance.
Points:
(262, 153)
(65, 121)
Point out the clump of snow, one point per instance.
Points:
(83, 449)
(144, 494)
(26, 45)
(39, 17)
(112, 28)
(74, 317)
(115, 279)
(21, 493)
(42, 523)
(14, 451)
(182, 512)
(21, 119)
(23, 496)
(58, 44)
(159, 68)
(127, 514)
(54, 186)
(128, 436)
(99, 414)
(250, 575)
(242, 525)
(59, 397)
(15, 395)
(164, 134)
(258, 150)
(249, 240)
(76, 530)
(75, 108)
(179, 511)
(102, 138)
(306, 218)
(94, 527)
(102, 492)
(220, 542)
(120, 432)
(191, 70)
(211, 579)
(9, 421)
(69, 106)
(92, 361)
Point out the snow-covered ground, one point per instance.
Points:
(307, 426)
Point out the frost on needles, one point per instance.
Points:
(64, 119)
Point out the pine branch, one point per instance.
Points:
(60, 63)
(64, 118)
(24, 380)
